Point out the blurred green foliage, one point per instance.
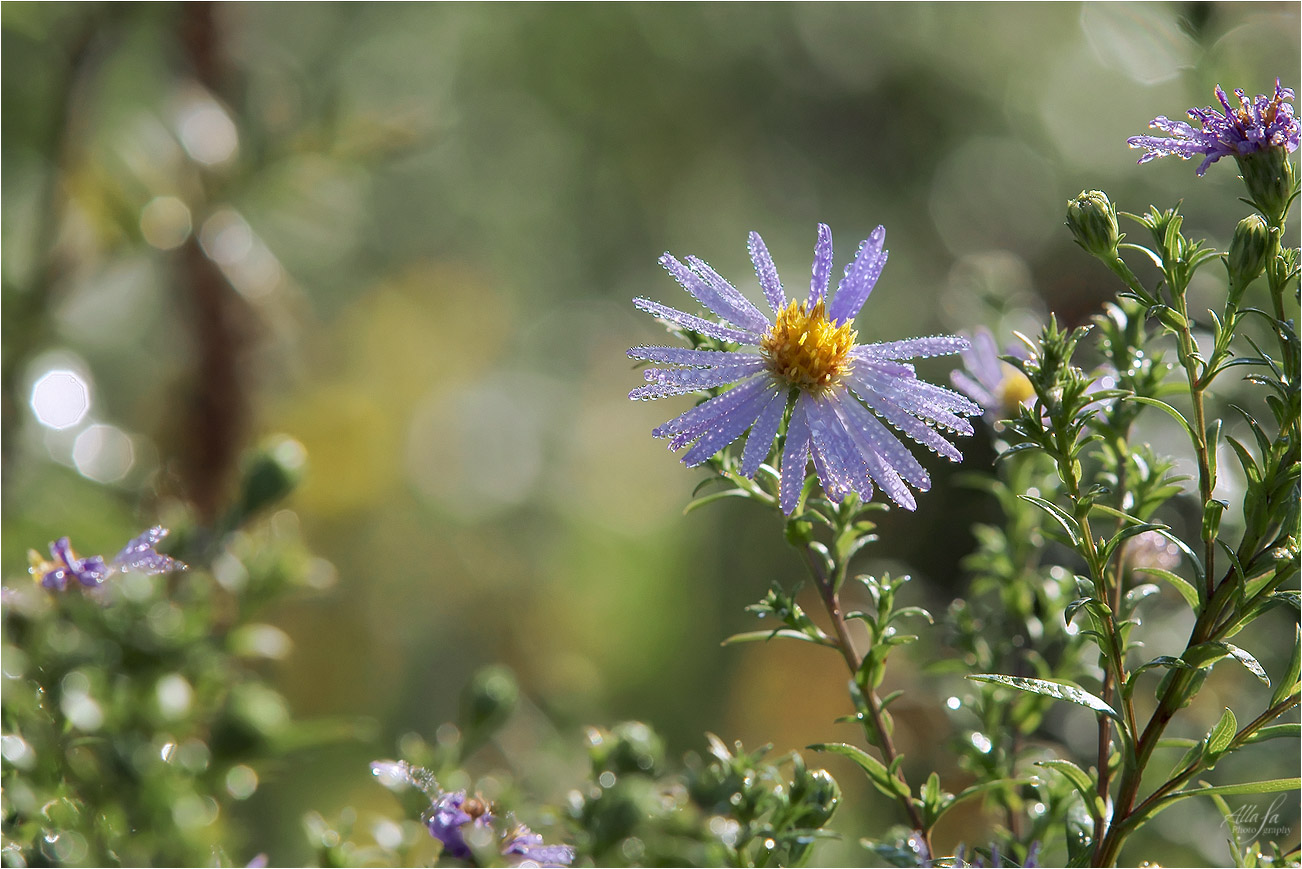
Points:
(407, 237)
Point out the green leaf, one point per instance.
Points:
(1207, 654)
(1221, 735)
(1056, 690)
(1175, 414)
(877, 772)
(1271, 786)
(1187, 591)
(1064, 519)
(1081, 781)
(1275, 731)
(717, 496)
(1251, 663)
(785, 633)
(980, 788)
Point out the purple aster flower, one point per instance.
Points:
(806, 353)
(990, 381)
(1236, 131)
(138, 555)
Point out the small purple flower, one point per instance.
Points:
(991, 382)
(807, 351)
(1236, 131)
(450, 814)
(138, 555)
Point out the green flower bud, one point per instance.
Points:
(630, 747)
(1248, 250)
(1270, 178)
(271, 472)
(1093, 220)
(487, 702)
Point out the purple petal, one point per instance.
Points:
(912, 426)
(795, 454)
(860, 278)
(685, 356)
(693, 323)
(700, 417)
(683, 380)
(711, 298)
(760, 439)
(916, 348)
(727, 429)
(139, 554)
(767, 273)
(842, 470)
(872, 436)
(750, 316)
(822, 266)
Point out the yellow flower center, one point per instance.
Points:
(806, 349)
(1013, 390)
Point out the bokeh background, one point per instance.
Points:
(408, 236)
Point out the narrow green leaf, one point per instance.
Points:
(1081, 781)
(1064, 519)
(1175, 414)
(1271, 786)
(1187, 591)
(876, 770)
(1056, 690)
(785, 633)
(717, 496)
(1251, 663)
(1275, 731)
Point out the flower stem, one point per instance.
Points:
(827, 589)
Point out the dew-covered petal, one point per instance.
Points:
(818, 284)
(767, 273)
(903, 394)
(725, 430)
(760, 439)
(139, 554)
(860, 278)
(710, 296)
(795, 454)
(687, 356)
(916, 348)
(912, 426)
(871, 435)
(840, 468)
(693, 323)
(683, 380)
(700, 417)
(745, 313)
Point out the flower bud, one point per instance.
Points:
(1248, 250)
(1093, 220)
(271, 472)
(1270, 178)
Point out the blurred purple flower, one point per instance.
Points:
(1252, 125)
(138, 555)
(808, 350)
(451, 811)
(449, 814)
(991, 382)
(998, 860)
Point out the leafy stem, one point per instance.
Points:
(829, 583)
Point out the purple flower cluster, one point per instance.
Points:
(805, 359)
(1236, 131)
(452, 813)
(138, 555)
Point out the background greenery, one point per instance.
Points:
(407, 236)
